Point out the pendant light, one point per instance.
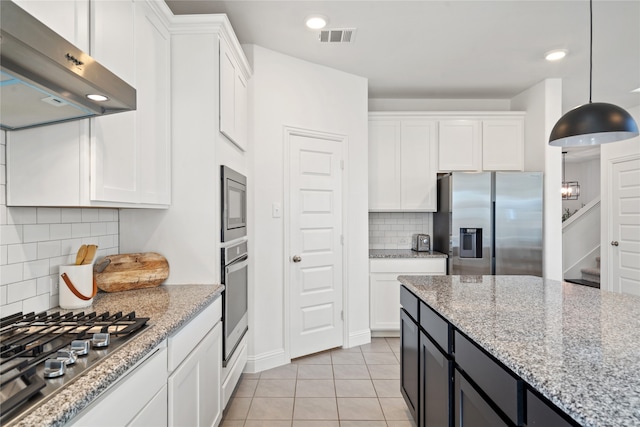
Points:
(570, 189)
(594, 123)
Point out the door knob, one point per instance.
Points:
(614, 243)
(296, 258)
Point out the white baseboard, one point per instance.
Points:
(264, 361)
(382, 334)
(358, 338)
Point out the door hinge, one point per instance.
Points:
(342, 239)
(341, 315)
(342, 164)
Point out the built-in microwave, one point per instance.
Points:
(234, 204)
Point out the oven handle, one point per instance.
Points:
(236, 265)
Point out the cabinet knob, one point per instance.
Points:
(614, 243)
(296, 258)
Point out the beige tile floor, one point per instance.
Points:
(356, 387)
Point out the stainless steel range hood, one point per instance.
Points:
(45, 79)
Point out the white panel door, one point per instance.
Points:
(315, 231)
(625, 236)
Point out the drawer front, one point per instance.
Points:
(542, 414)
(409, 302)
(184, 340)
(503, 388)
(436, 327)
(433, 266)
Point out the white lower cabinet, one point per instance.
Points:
(178, 384)
(135, 400)
(154, 413)
(384, 289)
(194, 387)
(195, 363)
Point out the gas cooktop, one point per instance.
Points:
(41, 353)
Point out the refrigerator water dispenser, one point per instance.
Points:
(471, 243)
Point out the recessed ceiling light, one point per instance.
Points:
(555, 55)
(96, 97)
(316, 22)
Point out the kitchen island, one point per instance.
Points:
(573, 347)
(168, 308)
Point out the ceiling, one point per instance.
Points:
(454, 49)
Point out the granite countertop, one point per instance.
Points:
(403, 253)
(578, 346)
(167, 307)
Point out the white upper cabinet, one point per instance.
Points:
(477, 143)
(402, 164)
(233, 97)
(67, 18)
(459, 145)
(418, 165)
(118, 160)
(503, 144)
(384, 164)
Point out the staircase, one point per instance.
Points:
(590, 276)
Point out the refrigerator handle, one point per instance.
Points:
(493, 237)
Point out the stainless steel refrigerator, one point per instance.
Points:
(490, 222)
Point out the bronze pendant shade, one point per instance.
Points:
(593, 123)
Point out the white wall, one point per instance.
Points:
(608, 153)
(285, 91)
(187, 234)
(587, 173)
(543, 103)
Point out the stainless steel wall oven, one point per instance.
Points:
(234, 204)
(234, 298)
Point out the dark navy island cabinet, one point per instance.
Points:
(448, 380)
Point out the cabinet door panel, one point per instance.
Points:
(384, 165)
(194, 387)
(228, 74)
(153, 134)
(418, 165)
(503, 145)
(68, 18)
(409, 362)
(385, 302)
(241, 111)
(436, 404)
(114, 162)
(113, 35)
(471, 410)
(459, 145)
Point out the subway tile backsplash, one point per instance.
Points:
(393, 230)
(35, 241)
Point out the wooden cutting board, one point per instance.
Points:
(131, 271)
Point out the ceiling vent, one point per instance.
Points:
(338, 35)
